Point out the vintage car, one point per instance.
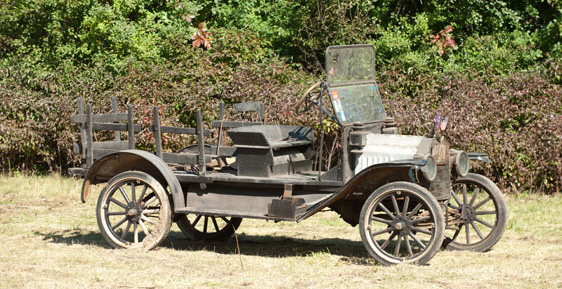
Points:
(410, 195)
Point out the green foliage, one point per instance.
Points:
(497, 67)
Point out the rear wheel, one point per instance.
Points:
(401, 222)
(207, 228)
(133, 211)
(477, 214)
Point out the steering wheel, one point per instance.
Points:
(308, 95)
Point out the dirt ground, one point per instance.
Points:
(51, 240)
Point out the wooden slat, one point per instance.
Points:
(113, 117)
(110, 145)
(114, 126)
(100, 153)
(200, 139)
(234, 124)
(183, 158)
(180, 130)
(131, 128)
(115, 111)
(157, 131)
(89, 136)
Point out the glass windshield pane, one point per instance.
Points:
(357, 103)
(351, 83)
(349, 64)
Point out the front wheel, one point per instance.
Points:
(133, 211)
(477, 214)
(401, 222)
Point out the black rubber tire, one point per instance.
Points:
(491, 235)
(404, 223)
(226, 227)
(118, 201)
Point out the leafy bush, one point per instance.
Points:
(516, 119)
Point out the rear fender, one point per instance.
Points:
(371, 178)
(132, 160)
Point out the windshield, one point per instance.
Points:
(350, 74)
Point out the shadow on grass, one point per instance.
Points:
(250, 245)
(276, 246)
(74, 237)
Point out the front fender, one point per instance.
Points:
(132, 160)
(370, 179)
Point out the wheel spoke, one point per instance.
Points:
(116, 213)
(152, 199)
(197, 220)
(486, 213)
(408, 246)
(415, 210)
(136, 232)
(215, 224)
(464, 198)
(477, 230)
(484, 223)
(416, 221)
(144, 218)
(385, 244)
(467, 233)
(386, 211)
(381, 220)
(395, 205)
(119, 223)
(151, 211)
(124, 195)
(473, 199)
(419, 230)
(118, 203)
(454, 195)
(142, 193)
(205, 224)
(397, 246)
(133, 196)
(482, 203)
(124, 234)
(144, 229)
(406, 204)
(389, 229)
(422, 245)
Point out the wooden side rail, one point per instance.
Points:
(183, 158)
(116, 122)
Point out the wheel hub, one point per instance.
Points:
(134, 212)
(403, 225)
(468, 213)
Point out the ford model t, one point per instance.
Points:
(410, 195)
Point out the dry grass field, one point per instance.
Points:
(51, 240)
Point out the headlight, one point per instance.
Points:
(462, 165)
(429, 170)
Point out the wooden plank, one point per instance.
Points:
(111, 145)
(113, 117)
(115, 126)
(157, 131)
(202, 162)
(100, 153)
(183, 158)
(130, 126)
(179, 130)
(115, 111)
(234, 124)
(89, 134)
